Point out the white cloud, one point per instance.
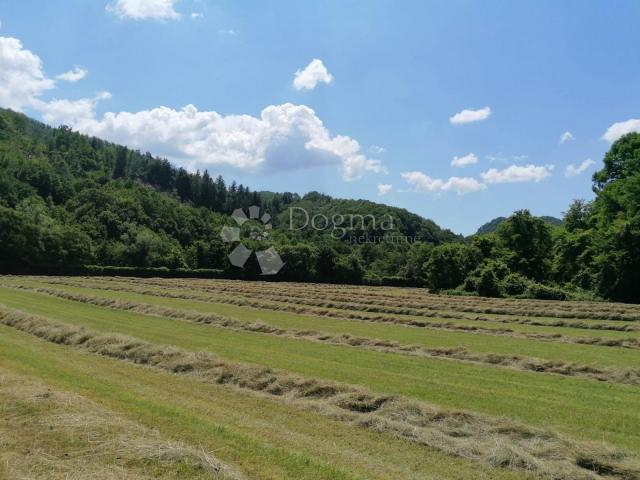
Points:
(69, 112)
(284, 137)
(421, 182)
(571, 170)
(617, 130)
(377, 149)
(312, 74)
(469, 159)
(197, 15)
(468, 116)
(74, 75)
(502, 158)
(517, 173)
(21, 76)
(566, 136)
(384, 188)
(144, 9)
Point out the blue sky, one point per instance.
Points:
(377, 109)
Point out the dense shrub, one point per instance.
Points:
(488, 284)
(543, 292)
(515, 284)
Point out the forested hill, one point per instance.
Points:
(360, 218)
(492, 225)
(68, 199)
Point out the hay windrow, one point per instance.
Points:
(217, 295)
(51, 434)
(517, 362)
(630, 342)
(418, 300)
(495, 441)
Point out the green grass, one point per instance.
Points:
(266, 439)
(434, 338)
(201, 306)
(583, 408)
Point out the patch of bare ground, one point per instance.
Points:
(51, 434)
(495, 441)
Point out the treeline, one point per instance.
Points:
(68, 201)
(594, 253)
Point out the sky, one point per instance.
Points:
(460, 111)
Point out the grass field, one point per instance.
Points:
(230, 379)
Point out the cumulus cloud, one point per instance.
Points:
(565, 137)
(384, 188)
(69, 112)
(311, 75)
(517, 173)
(421, 182)
(283, 137)
(468, 116)
(21, 75)
(573, 170)
(377, 149)
(469, 159)
(617, 130)
(74, 75)
(144, 9)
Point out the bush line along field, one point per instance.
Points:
(286, 380)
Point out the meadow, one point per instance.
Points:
(115, 377)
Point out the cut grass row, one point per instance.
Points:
(361, 306)
(418, 298)
(53, 434)
(628, 376)
(199, 302)
(592, 355)
(582, 408)
(460, 307)
(491, 441)
(624, 375)
(264, 438)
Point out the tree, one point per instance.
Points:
(528, 242)
(577, 216)
(621, 161)
(121, 163)
(449, 264)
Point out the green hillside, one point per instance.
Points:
(68, 200)
(492, 225)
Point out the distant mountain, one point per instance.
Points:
(492, 225)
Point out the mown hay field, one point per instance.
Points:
(169, 378)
